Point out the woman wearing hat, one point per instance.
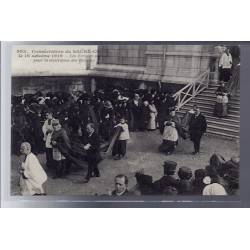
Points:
(220, 109)
(152, 115)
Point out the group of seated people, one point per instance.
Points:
(220, 177)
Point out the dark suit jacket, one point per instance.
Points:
(62, 141)
(93, 153)
(166, 180)
(197, 126)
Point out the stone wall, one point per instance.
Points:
(166, 63)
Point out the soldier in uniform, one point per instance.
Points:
(185, 185)
(168, 178)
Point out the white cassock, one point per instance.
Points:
(214, 189)
(35, 175)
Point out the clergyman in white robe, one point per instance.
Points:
(33, 177)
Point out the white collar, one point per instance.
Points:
(119, 194)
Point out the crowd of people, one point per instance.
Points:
(57, 123)
(53, 122)
(220, 177)
(142, 110)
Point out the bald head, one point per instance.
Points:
(25, 148)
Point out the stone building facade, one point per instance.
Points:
(176, 64)
(135, 65)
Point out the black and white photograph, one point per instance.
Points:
(125, 119)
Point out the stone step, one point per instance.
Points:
(210, 103)
(212, 100)
(214, 89)
(213, 96)
(223, 124)
(210, 108)
(213, 118)
(211, 91)
(222, 134)
(226, 120)
(222, 129)
(214, 83)
(207, 113)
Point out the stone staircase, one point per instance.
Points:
(228, 127)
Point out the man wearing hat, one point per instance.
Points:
(144, 184)
(197, 183)
(145, 115)
(92, 147)
(185, 185)
(168, 178)
(135, 112)
(107, 120)
(197, 127)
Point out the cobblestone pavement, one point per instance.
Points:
(142, 152)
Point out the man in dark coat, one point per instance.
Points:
(168, 179)
(135, 110)
(144, 183)
(84, 113)
(185, 184)
(92, 147)
(107, 121)
(197, 128)
(145, 115)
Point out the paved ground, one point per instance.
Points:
(142, 152)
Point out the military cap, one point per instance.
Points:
(169, 167)
(143, 179)
(169, 190)
(185, 173)
(200, 173)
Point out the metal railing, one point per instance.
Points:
(192, 89)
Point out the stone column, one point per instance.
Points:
(93, 85)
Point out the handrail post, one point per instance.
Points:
(202, 82)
